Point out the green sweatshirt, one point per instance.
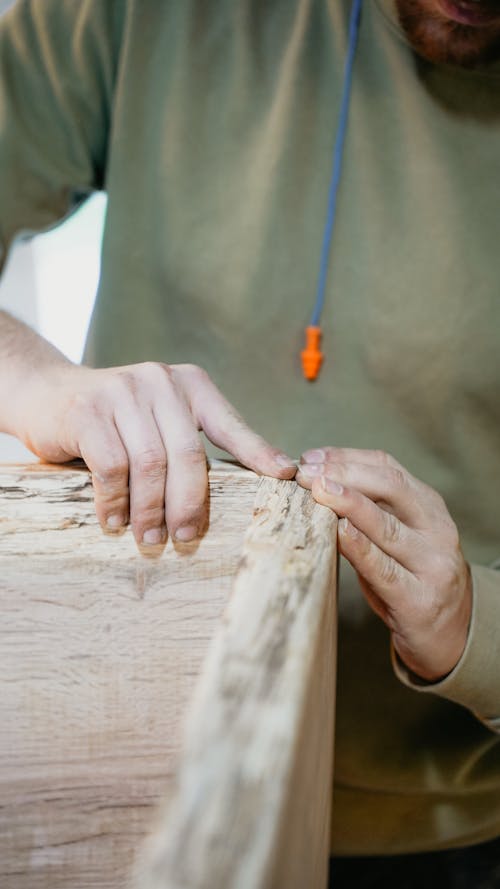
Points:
(210, 123)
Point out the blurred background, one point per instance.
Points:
(50, 282)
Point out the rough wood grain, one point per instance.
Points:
(100, 649)
(251, 805)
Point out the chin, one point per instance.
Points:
(441, 40)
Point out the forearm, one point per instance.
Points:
(25, 360)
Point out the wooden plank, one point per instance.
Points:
(100, 649)
(251, 804)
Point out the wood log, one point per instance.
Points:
(101, 648)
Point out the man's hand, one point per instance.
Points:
(398, 535)
(137, 429)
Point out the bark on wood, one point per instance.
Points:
(251, 807)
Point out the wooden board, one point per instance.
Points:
(101, 648)
(251, 806)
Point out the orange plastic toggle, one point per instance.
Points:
(312, 356)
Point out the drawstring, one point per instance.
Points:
(312, 356)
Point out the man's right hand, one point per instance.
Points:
(137, 429)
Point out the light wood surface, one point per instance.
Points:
(252, 803)
(101, 649)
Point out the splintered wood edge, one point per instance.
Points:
(259, 736)
(71, 483)
(75, 468)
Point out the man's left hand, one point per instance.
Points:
(400, 538)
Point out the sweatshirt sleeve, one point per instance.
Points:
(475, 681)
(58, 61)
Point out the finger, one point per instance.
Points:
(389, 580)
(384, 529)
(187, 479)
(224, 427)
(102, 449)
(147, 468)
(350, 455)
(394, 489)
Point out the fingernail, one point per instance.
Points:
(186, 533)
(331, 487)
(153, 536)
(310, 469)
(284, 461)
(317, 456)
(115, 521)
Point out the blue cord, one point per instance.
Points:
(338, 151)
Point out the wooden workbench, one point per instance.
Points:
(203, 675)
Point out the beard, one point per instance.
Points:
(443, 41)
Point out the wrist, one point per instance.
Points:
(39, 403)
(443, 650)
(26, 360)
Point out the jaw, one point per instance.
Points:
(435, 32)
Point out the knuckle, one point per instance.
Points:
(151, 463)
(389, 573)
(392, 531)
(398, 478)
(193, 453)
(156, 372)
(148, 516)
(113, 472)
(124, 379)
(138, 377)
(330, 453)
(384, 458)
(193, 370)
(189, 512)
(197, 379)
(336, 471)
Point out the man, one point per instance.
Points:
(211, 126)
